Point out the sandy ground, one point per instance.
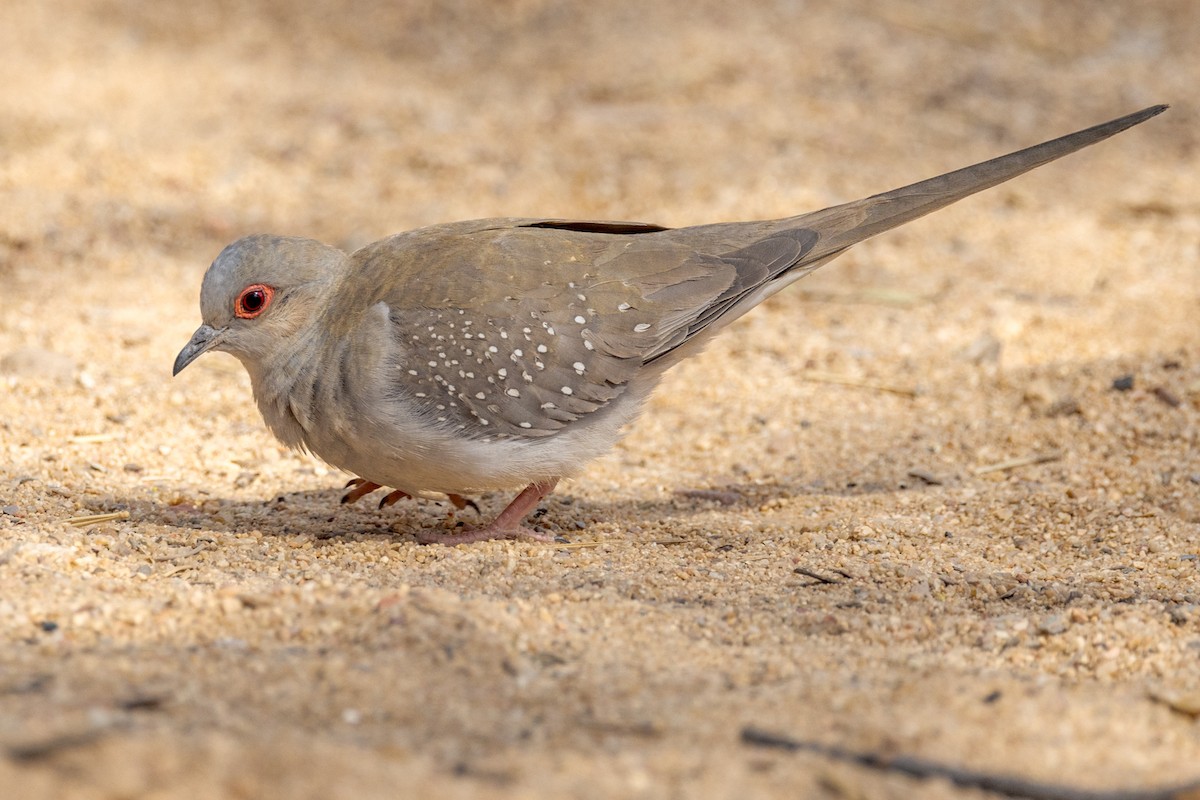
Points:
(236, 633)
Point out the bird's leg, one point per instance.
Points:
(507, 525)
(362, 487)
(393, 497)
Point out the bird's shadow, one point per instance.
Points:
(567, 516)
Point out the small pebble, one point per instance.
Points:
(1123, 383)
(1165, 395)
(722, 497)
(1064, 407)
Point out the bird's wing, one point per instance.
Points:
(521, 327)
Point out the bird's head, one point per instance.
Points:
(259, 293)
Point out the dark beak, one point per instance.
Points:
(204, 339)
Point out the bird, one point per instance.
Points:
(502, 353)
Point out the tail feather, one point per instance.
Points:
(882, 212)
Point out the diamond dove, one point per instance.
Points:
(501, 353)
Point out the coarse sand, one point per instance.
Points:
(939, 500)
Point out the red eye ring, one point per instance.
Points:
(253, 300)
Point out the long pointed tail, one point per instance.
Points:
(882, 212)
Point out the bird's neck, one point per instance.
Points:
(284, 390)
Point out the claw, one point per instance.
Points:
(460, 502)
(361, 488)
(394, 497)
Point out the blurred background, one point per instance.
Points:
(138, 138)
(189, 124)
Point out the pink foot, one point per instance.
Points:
(507, 525)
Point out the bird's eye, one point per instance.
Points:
(253, 301)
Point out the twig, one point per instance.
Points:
(95, 519)
(818, 577)
(191, 551)
(1007, 785)
(1022, 461)
(93, 438)
(647, 729)
(814, 376)
(582, 545)
(925, 476)
(38, 750)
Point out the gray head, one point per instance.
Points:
(259, 292)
